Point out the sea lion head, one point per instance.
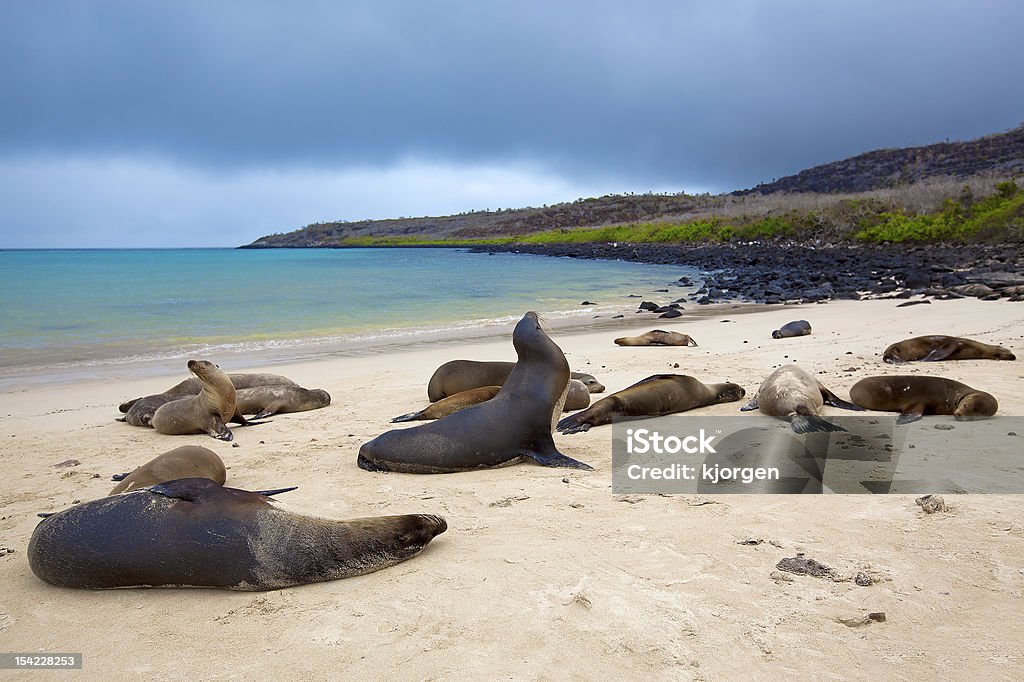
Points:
(204, 369)
(893, 354)
(592, 384)
(1004, 354)
(730, 392)
(777, 334)
(397, 538)
(320, 396)
(975, 405)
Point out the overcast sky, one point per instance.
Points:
(212, 123)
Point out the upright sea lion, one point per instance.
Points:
(656, 337)
(514, 424)
(462, 375)
(188, 461)
(193, 532)
(913, 396)
(795, 328)
(577, 398)
(263, 401)
(656, 395)
(207, 412)
(792, 394)
(192, 386)
(938, 347)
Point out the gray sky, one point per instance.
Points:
(198, 123)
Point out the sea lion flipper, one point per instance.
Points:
(120, 477)
(907, 417)
(275, 491)
(188, 489)
(573, 424)
(942, 352)
(554, 458)
(832, 399)
(265, 412)
(250, 422)
(807, 423)
(408, 417)
(751, 405)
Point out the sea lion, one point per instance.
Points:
(142, 409)
(795, 328)
(207, 412)
(513, 425)
(939, 347)
(651, 397)
(656, 337)
(188, 461)
(193, 532)
(913, 396)
(192, 386)
(263, 401)
(792, 394)
(577, 398)
(462, 375)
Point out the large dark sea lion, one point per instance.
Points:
(792, 394)
(193, 532)
(513, 425)
(192, 386)
(790, 329)
(914, 396)
(207, 412)
(577, 398)
(463, 375)
(142, 410)
(656, 337)
(938, 347)
(188, 461)
(656, 395)
(263, 401)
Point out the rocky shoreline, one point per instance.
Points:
(790, 273)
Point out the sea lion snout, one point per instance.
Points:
(419, 531)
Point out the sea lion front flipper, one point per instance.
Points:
(807, 423)
(907, 417)
(942, 352)
(408, 417)
(188, 489)
(265, 412)
(120, 477)
(554, 458)
(832, 399)
(751, 405)
(250, 422)
(275, 491)
(220, 431)
(575, 423)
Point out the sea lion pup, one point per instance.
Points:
(462, 375)
(651, 397)
(188, 461)
(514, 424)
(939, 347)
(792, 394)
(577, 398)
(263, 401)
(795, 328)
(656, 337)
(193, 532)
(914, 396)
(192, 386)
(207, 412)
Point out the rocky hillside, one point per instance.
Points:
(1001, 154)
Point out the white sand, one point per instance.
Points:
(540, 577)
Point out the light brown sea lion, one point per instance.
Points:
(263, 401)
(207, 412)
(938, 347)
(188, 461)
(193, 532)
(913, 396)
(792, 394)
(463, 375)
(651, 397)
(513, 425)
(656, 337)
(577, 398)
(790, 329)
(192, 386)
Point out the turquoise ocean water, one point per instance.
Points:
(81, 308)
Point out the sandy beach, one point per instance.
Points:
(545, 573)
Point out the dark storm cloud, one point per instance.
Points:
(714, 94)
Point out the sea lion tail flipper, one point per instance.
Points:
(907, 417)
(121, 419)
(751, 405)
(808, 423)
(832, 399)
(408, 417)
(692, 343)
(275, 491)
(554, 458)
(941, 353)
